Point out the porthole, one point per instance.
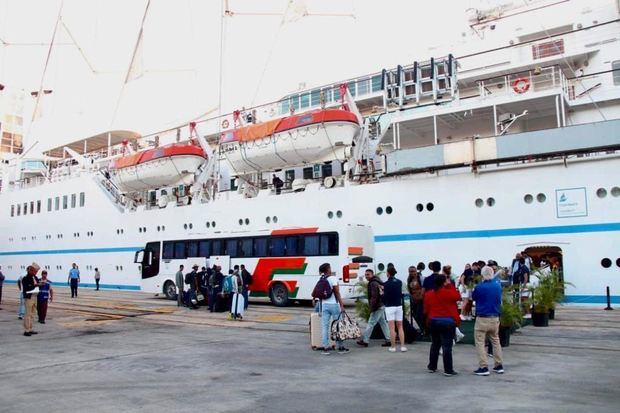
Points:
(615, 192)
(379, 210)
(213, 224)
(208, 224)
(140, 229)
(381, 267)
(247, 221)
(184, 226)
(268, 220)
(240, 221)
(143, 229)
(275, 219)
(388, 210)
(121, 268)
(541, 197)
(339, 214)
(190, 226)
(606, 262)
(419, 207)
(528, 199)
(618, 262)
(490, 201)
(479, 203)
(330, 215)
(118, 231)
(122, 231)
(430, 206)
(158, 228)
(601, 193)
(163, 227)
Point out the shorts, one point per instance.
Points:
(394, 313)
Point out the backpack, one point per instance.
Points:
(322, 289)
(228, 285)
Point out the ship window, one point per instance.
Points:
(192, 249)
(190, 226)
(38, 206)
(246, 247)
(25, 208)
(184, 226)
(57, 203)
(601, 192)
(277, 247)
(240, 221)
(49, 204)
(379, 210)
(336, 91)
(65, 201)
(546, 49)
(528, 199)
(179, 250)
(247, 221)
(339, 214)
(430, 206)
(330, 215)
(541, 198)
(381, 266)
(615, 67)
(388, 210)
(12, 210)
(291, 245)
(82, 199)
(73, 200)
(307, 172)
(491, 201)
(606, 262)
(479, 203)
(305, 100)
(32, 207)
(363, 86)
(617, 262)
(260, 247)
(284, 106)
(295, 102)
(419, 207)
(376, 83)
(268, 220)
(204, 248)
(275, 219)
(615, 192)
(213, 224)
(311, 245)
(315, 97)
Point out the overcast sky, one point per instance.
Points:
(263, 60)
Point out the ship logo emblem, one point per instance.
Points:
(563, 197)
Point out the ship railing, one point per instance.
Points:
(523, 83)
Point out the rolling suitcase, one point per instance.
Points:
(316, 331)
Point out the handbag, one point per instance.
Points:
(200, 297)
(344, 328)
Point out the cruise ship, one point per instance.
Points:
(508, 143)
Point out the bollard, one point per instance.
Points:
(608, 300)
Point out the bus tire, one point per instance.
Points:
(278, 294)
(170, 290)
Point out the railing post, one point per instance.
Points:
(608, 300)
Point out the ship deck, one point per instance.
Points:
(124, 351)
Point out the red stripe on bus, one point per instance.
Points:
(294, 231)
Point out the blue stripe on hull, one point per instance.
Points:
(591, 299)
(507, 232)
(72, 251)
(57, 284)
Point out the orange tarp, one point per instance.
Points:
(251, 132)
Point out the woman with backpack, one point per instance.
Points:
(331, 305)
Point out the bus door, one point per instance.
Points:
(148, 258)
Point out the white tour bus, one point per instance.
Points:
(284, 263)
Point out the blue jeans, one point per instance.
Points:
(22, 306)
(442, 335)
(376, 317)
(330, 310)
(246, 296)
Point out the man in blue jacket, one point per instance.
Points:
(488, 298)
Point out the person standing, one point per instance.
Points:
(393, 300)
(246, 277)
(442, 319)
(29, 283)
(179, 282)
(74, 280)
(191, 279)
(1, 282)
(429, 282)
(377, 310)
(46, 294)
(332, 306)
(465, 282)
(97, 278)
(21, 309)
(414, 285)
(488, 298)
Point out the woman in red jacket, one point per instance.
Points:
(442, 319)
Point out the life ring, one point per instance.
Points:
(521, 85)
(225, 124)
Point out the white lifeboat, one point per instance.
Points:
(169, 165)
(305, 138)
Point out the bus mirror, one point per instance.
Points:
(137, 259)
(345, 273)
(362, 259)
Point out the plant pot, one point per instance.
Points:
(504, 336)
(552, 314)
(540, 319)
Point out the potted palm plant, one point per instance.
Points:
(510, 318)
(543, 298)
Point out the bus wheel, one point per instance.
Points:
(279, 295)
(170, 290)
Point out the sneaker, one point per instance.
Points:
(482, 371)
(459, 336)
(325, 352)
(490, 355)
(20, 318)
(42, 321)
(386, 344)
(499, 369)
(343, 350)
(362, 343)
(392, 349)
(33, 332)
(430, 370)
(450, 373)
(27, 334)
(403, 348)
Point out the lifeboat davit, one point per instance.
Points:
(169, 165)
(306, 138)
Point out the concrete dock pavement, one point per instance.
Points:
(111, 351)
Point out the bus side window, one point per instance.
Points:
(245, 247)
(168, 250)
(192, 249)
(329, 244)
(260, 247)
(179, 250)
(231, 247)
(217, 247)
(310, 245)
(291, 246)
(204, 249)
(277, 247)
